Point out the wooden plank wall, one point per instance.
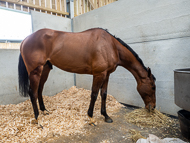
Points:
(83, 6)
(54, 7)
(9, 45)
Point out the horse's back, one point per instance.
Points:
(83, 52)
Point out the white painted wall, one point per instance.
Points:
(159, 31)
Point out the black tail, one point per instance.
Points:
(23, 78)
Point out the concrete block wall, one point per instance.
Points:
(43, 20)
(158, 31)
(9, 93)
(9, 77)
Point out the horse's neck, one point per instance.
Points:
(130, 62)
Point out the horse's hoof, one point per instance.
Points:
(46, 112)
(40, 126)
(92, 124)
(92, 121)
(108, 120)
(34, 121)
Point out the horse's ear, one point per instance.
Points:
(149, 72)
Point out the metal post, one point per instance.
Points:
(70, 8)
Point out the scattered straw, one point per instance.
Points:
(143, 118)
(68, 115)
(105, 141)
(135, 135)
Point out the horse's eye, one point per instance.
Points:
(153, 87)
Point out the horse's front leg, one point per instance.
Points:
(103, 98)
(97, 83)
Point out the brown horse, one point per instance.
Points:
(94, 51)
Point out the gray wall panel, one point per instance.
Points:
(43, 20)
(139, 21)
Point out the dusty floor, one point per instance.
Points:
(118, 131)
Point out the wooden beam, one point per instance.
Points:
(9, 45)
(48, 4)
(75, 7)
(79, 8)
(58, 4)
(63, 5)
(43, 3)
(53, 4)
(36, 6)
(92, 4)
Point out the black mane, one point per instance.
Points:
(131, 50)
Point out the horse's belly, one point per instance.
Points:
(73, 67)
(79, 70)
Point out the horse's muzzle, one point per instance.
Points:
(150, 108)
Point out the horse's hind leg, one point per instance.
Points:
(103, 98)
(97, 83)
(33, 91)
(43, 79)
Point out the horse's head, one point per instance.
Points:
(147, 90)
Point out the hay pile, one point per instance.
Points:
(135, 135)
(143, 118)
(68, 115)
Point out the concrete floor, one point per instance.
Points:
(118, 131)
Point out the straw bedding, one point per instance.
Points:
(135, 135)
(145, 119)
(68, 115)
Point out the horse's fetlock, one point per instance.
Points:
(42, 108)
(90, 113)
(36, 115)
(103, 112)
